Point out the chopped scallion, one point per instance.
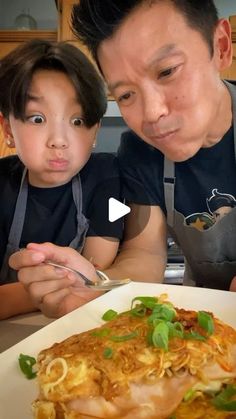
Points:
(223, 400)
(205, 320)
(189, 395)
(162, 311)
(160, 335)
(109, 315)
(26, 363)
(124, 337)
(108, 353)
(194, 335)
(100, 333)
(148, 302)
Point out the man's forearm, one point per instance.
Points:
(138, 265)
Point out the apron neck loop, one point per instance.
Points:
(233, 97)
(169, 190)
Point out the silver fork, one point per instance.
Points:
(103, 284)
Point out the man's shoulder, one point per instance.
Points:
(100, 165)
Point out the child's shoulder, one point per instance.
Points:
(10, 165)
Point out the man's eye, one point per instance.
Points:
(77, 121)
(167, 72)
(124, 97)
(36, 119)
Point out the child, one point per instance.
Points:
(54, 190)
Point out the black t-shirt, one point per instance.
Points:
(211, 171)
(51, 212)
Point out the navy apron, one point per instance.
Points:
(210, 255)
(8, 274)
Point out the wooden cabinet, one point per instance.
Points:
(230, 73)
(64, 25)
(10, 39)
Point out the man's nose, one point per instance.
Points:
(154, 106)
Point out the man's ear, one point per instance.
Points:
(223, 49)
(7, 132)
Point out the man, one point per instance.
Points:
(162, 61)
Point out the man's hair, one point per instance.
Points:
(18, 67)
(94, 21)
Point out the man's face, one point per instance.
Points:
(165, 81)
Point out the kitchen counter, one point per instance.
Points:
(17, 328)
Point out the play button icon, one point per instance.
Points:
(116, 209)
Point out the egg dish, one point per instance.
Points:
(154, 361)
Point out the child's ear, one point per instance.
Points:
(7, 132)
(98, 125)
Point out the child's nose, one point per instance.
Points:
(58, 140)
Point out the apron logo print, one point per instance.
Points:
(219, 205)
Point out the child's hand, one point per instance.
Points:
(51, 289)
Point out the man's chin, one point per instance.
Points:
(178, 155)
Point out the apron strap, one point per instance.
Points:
(19, 215)
(16, 226)
(169, 190)
(82, 222)
(233, 97)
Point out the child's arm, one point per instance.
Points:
(14, 300)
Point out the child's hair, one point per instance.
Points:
(18, 67)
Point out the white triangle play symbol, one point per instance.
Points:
(116, 210)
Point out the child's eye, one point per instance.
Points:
(36, 119)
(77, 121)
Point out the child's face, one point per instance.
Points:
(53, 142)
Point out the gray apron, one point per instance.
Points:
(210, 255)
(7, 274)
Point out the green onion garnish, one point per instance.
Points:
(205, 320)
(107, 353)
(176, 329)
(189, 395)
(26, 363)
(138, 311)
(162, 311)
(148, 302)
(124, 337)
(101, 333)
(222, 400)
(109, 315)
(160, 335)
(194, 335)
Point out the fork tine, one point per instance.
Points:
(86, 280)
(101, 284)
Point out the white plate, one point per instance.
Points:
(17, 393)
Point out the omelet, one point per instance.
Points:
(154, 361)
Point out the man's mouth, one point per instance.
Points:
(162, 135)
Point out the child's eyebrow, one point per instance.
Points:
(33, 98)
